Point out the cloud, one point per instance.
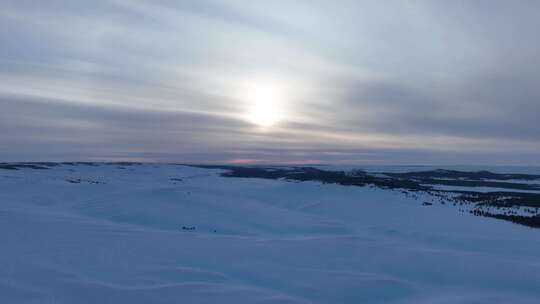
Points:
(364, 81)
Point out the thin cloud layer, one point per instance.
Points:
(360, 81)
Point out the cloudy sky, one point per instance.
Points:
(304, 81)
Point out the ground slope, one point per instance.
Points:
(120, 233)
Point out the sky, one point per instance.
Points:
(288, 82)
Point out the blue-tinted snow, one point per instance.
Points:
(256, 241)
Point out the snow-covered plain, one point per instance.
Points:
(481, 189)
(113, 234)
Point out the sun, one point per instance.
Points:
(264, 105)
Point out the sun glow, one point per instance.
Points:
(264, 105)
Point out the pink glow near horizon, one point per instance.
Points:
(249, 161)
